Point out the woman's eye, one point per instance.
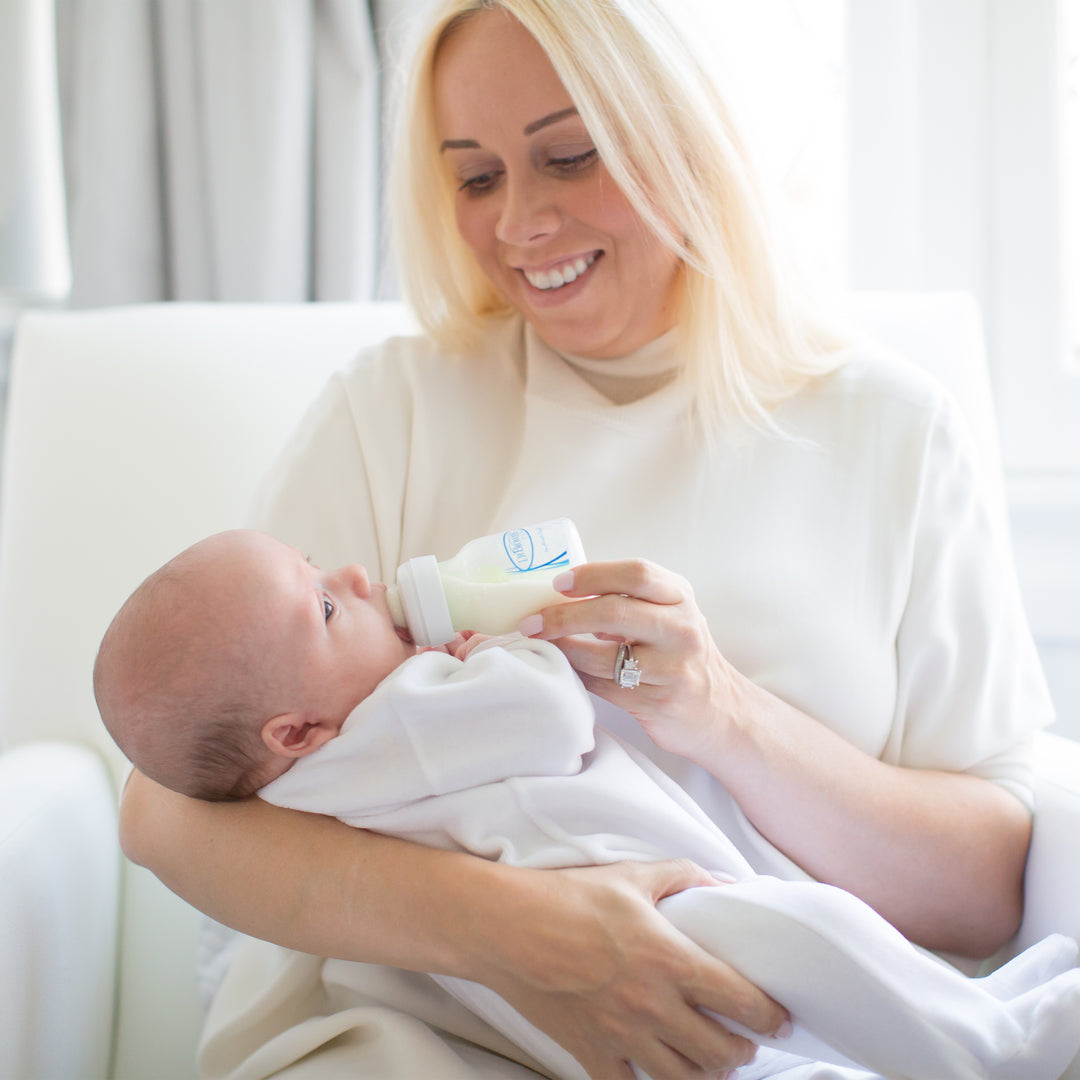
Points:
(328, 608)
(479, 184)
(575, 162)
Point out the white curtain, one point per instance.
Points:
(220, 149)
(33, 243)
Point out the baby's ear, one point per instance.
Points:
(290, 735)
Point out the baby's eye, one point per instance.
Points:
(328, 608)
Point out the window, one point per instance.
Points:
(785, 74)
(956, 182)
(1033, 305)
(1070, 135)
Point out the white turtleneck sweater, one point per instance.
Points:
(853, 568)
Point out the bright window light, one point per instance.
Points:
(1071, 154)
(784, 60)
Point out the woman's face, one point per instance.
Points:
(536, 206)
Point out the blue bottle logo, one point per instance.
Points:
(520, 548)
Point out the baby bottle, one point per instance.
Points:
(489, 586)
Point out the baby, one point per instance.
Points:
(239, 667)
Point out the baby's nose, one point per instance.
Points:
(356, 578)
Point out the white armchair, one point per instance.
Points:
(131, 433)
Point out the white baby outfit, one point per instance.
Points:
(499, 755)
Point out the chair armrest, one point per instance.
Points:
(1052, 881)
(59, 864)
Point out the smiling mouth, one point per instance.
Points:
(558, 276)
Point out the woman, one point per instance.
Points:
(849, 689)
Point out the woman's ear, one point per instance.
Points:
(290, 735)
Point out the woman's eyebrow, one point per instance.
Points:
(551, 118)
(459, 144)
(529, 129)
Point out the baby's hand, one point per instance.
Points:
(450, 648)
(465, 642)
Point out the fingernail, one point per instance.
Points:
(563, 582)
(784, 1030)
(531, 624)
(724, 879)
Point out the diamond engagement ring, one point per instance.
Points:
(627, 673)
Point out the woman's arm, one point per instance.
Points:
(582, 953)
(940, 855)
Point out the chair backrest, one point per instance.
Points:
(131, 433)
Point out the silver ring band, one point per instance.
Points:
(627, 672)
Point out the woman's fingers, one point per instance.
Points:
(656, 1027)
(684, 692)
(633, 577)
(660, 1061)
(665, 878)
(631, 600)
(596, 661)
(610, 617)
(689, 1043)
(718, 987)
(625, 985)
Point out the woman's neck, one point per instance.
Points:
(629, 378)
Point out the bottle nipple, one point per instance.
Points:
(393, 603)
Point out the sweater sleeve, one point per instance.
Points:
(439, 725)
(970, 687)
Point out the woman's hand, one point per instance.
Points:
(611, 980)
(688, 690)
(899, 838)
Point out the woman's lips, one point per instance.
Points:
(561, 274)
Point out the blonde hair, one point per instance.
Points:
(668, 140)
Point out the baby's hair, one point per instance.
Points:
(174, 699)
(226, 755)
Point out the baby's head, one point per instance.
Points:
(236, 658)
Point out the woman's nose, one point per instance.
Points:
(528, 214)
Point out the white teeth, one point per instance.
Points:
(562, 275)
